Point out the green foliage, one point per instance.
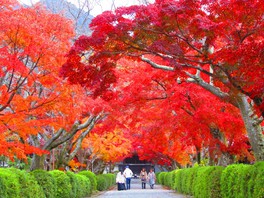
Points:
(229, 180)
(102, 183)
(84, 186)
(184, 176)
(157, 176)
(191, 175)
(161, 178)
(92, 178)
(29, 185)
(3, 188)
(168, 179)
(74, 183)
(46, 182)
(178, 181)
(259, 180)
(207, 182)
(110, 178)
(214, 182)
(63, 184)
(9, 184)
(173, 178)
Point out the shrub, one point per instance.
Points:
(173, 178)
(191, 175)
(63, 184)
(3, 188)
(214, 182)
(162, 178)
(84, 186)
(168, 179)
(200, 190)
(9, 184)
(184, 177)
(46, 182)
(29, 185)
(157, 176)
(178, 181)
(74, 183)
(101, 182)
(258, 180)
(110, 179)
(92, 177)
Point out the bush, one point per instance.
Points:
(168, 179)
(74, 183)
(178, 181)
(157, 177)
(161, 178)
(84, 186)
(110, 179)
(9, 184)
(46, 182)
(214, 182)
(189, 184)
(258, 176)
(92, 177)
(63, 184)
(184, 178)
(102, 183)
(29, 185)
(3, 188)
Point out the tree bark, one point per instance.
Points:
(254, 129)
(37, 162)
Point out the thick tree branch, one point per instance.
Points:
(157, 66)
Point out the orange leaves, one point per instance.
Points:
(32, 96)
(110, 146)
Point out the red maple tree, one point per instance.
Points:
(217, 45)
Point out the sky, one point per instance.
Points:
(104, 4)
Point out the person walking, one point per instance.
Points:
(128, 174)
(151, 178)
(120, 180)
(143, 176)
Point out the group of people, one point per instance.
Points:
(123, 178)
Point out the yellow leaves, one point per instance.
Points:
(110, 146)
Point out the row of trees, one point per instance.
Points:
(172, 81)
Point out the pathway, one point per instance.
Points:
(137, 192)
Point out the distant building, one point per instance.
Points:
(136, 165)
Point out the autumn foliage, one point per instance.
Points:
(208, 62)
(172, 81)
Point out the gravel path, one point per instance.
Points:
(137, 192)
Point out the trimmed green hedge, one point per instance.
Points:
(10, 185)
(74, 184)
(16, 183)
(233, 181)
(63, 184)
(92, 177)
(47, 182)
(84, 186)
(28, 185)
(102, 183)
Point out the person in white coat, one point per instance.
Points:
(128, 175)
(120, 180)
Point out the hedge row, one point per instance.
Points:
(105, 181)
(234, 181)
(15, 183)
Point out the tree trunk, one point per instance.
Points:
(37, 162)
(254, 129)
